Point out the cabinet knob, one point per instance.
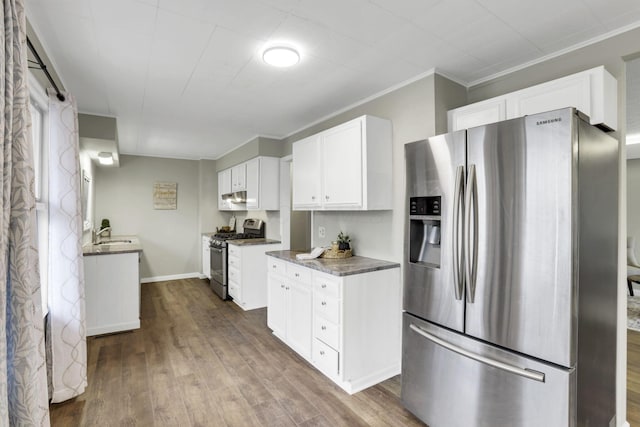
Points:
(323, 303)
(326, 197)
(273, 266)
(321, 352)
(324, 328)
(323, 286)
(297, 275)
(313, 197)
(282, 286)
(287, 288)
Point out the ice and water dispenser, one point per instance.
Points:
(425, 230)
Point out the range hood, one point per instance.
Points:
(236, 197)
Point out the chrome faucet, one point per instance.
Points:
(95, 234)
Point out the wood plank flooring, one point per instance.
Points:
(199, 361)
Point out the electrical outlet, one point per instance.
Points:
(322, 232)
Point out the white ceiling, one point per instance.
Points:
(185, 77)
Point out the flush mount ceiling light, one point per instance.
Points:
(105, 158)
(281, 56)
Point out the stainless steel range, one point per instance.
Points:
(252, 229)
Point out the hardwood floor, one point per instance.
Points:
(199, 361)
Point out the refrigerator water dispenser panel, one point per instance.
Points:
(425, 231)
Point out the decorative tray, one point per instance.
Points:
(336, 253)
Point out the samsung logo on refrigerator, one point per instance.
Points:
(546, 122)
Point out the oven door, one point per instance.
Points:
(219, 271)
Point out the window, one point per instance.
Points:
(38, 107)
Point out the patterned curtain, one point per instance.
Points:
(23, 377)
(66, 326)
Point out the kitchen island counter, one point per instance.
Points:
(337, 267)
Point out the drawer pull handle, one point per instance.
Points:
(324, 328)
(287, 288)
(273, 266)
(324, 286)
(323, 303)
(321, 352)
(297, 275)
(313, 197)
(282, 286)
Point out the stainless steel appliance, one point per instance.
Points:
(510, 275)
(252, 229)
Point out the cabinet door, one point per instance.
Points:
(253, 184)
(342, 165)
(239, 177)
(299, 315)
(206, 258)
(306, 173)
(478, 114)
(276, 306)
(224, 187)
(571, 91)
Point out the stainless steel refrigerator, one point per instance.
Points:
(510, 277)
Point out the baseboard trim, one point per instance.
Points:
(171, 277)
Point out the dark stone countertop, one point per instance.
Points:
(336, 267)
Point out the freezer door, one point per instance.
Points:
(450, 380)
(429, 286)
(520, 234)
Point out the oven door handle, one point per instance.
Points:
(215, 249)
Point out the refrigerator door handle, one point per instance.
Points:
(471, 240)
(458, 204)
(523, 372)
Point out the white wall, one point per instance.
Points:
(633, 202)
(170, 238)
(88, 167)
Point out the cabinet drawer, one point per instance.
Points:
(234, 251)
(329, 308)
(234, 274)
(326, 286)
(234, 262)
(325, 358)
(277, 266)
(300, 274)
(234, 290)
(326, 332)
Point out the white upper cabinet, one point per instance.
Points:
(306, 173)
(342, 166)
(259, 177)
(347, 167)
(263, 184)
(239, 177)
(594, 92)
(224, 187)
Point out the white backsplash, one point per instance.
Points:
(371, 232)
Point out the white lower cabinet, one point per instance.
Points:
(289, 309)
(247, 274)
(206, 257)
(348, 327)
(112, 292)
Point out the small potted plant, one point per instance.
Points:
(343, 241)
(105, 224)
